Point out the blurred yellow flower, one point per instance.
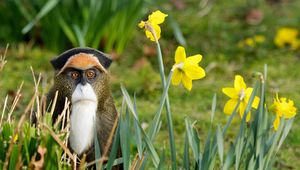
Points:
(252, 41)
(287, 36)
(16, 138)
(259, 38)
(282, 108)
(186, 69)
(239, 92)
(151, 26)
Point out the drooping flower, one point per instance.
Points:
(287, 36)
(282, 108)
(186, 69)
(239, 92)
(151, 26)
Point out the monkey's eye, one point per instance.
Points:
(74, 75)
(90, 74)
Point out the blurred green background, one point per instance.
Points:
(220, 30)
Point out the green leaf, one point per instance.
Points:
(7, 131)
(68, 31)
(193, 140)
(125, 140)
(229, 157)
(213, 108)
(138, 136)
(114, 148)
(186, 159)
(176, 29)
(285, 132)
(220, 141)
(149, 145)
(13, 157)
(44, 11)
(162, 160)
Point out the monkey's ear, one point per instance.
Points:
(61, 60)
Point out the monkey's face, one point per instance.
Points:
(83, 85)
(83, 78)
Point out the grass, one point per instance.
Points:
(215, 36)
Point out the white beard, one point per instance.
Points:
(83, 117)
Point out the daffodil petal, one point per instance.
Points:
(149, 35)
(157, 30)
(194, 60)
(157, 17)
(248, 92)
(141, 24)
(193, 71)
(276, 123)
(187, 82)
(239, 83)
(229, 106)
(242, 108)
(176, 77)
(180, 55)
(248, 118)
(255, 102)
(230, 92)
(291, 111)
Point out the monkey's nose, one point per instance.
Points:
(83, 81)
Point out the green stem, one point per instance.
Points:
(168, 109)
(156, 120)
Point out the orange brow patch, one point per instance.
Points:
(83, 61)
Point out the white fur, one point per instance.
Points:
(84, 106)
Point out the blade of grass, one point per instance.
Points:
(162, 160)
(97, 149)
(138, 136)
(114, 149)
(124, 137)
(44, 11)
(192, 138)
(176, 29)
(220, 144)
(186, 159)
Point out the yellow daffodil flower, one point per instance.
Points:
(282, 108)
(151, 26)
(239, 92)
(287, 36)
(186, 69)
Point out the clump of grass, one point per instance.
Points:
(2, 59)
(39, 145)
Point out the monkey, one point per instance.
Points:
(82, 77)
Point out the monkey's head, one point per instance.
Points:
(81, 75)
(82, 69)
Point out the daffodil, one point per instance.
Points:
(283, 108)
(151, 26)
(186, 69)
(241, 93)
(287, 36)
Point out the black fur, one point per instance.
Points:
(61, 60)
